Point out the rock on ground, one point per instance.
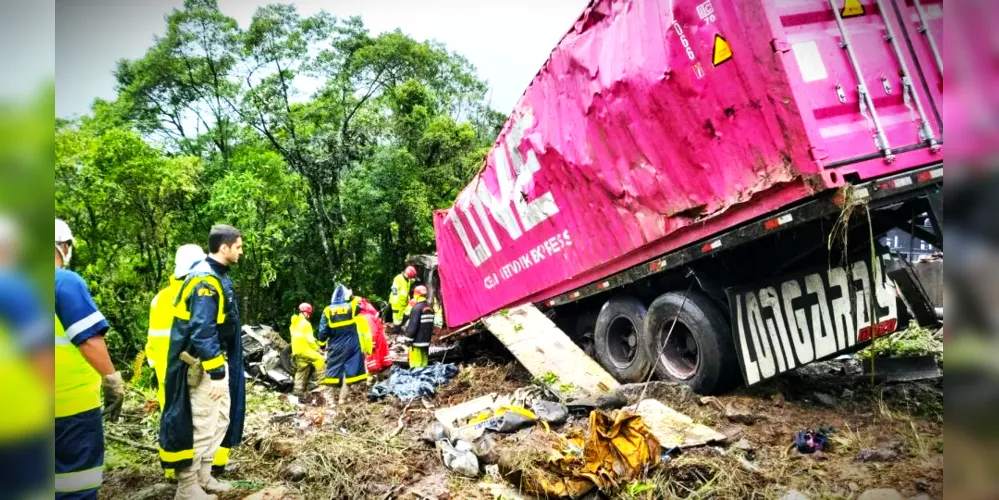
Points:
(274, 493)
(881, 494)
(794, 495)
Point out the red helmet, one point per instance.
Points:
(420, 290)
(410, 272)
(305, 307)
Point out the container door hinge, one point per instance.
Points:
(779, 45)
(818, 154)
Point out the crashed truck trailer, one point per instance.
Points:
(689, 160)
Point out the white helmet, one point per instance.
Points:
(187, 256)
(62, 232)
(62, 235)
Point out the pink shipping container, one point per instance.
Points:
(656, 124)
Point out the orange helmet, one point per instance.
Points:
(410, 272)
(305, 307)
(420, 290)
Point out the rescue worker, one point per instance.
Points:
(161, 315)
(420, 329)
(82, 367)
(205, 386)
(309, 361)
(399, 296)
(27, 373)
(377, 360)
(338, 328)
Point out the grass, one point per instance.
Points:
(914, 341)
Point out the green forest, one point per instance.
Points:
(328, 146)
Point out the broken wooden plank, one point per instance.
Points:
(673, 428)
(543, 348)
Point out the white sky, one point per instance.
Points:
(507, 41)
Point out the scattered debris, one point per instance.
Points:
(903, 369)
(295, 472)
(607, 401)
(880, 454)
(825, 400)
(459, 457)
(743, 445)
(158, 490)
(415, 383)
(672, 428)
(274, 493)
(794, 495)
(435, 432)
(732, 413)
(550, 412)
(673, 392)
(809, 441)
(614, 452)
(881, 494)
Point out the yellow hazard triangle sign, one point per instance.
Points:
(722, 51)
(852, 8)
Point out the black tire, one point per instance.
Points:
(288, 361)
(700, 352)
(620, 341)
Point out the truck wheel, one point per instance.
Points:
(288, 361)
(700, 352)
(620, 340)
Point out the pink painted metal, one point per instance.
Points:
(658, 123)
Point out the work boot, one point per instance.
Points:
(188, 487)
(208, 482)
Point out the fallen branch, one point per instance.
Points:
(402, 422)
(283, 416)
(128, 442)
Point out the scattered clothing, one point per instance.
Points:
(809, 441)
(414, 383)
(338, 328)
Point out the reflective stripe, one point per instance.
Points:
(360, 377)
(221, 457)
(159, 333)
(421, 344)
(349, 380)
(180, 307)
(62, 340)
(79, 481)
(349, 322)
(176, 456)
(331, 381)
(78, 327)
(213, 363)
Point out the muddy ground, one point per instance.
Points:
(358, 451)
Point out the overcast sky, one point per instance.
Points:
(507, 41)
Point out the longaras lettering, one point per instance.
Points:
(798, 320)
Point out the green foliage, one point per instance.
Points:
(211, 126)
(914, 341)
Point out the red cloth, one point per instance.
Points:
(378, 360)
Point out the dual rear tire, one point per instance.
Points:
(682, 337)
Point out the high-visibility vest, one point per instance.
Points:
(158, 339)
(22, 391)
(303, 342)
(400, 292)
(77, 384)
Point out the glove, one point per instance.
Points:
(218, 389)
(114, 395)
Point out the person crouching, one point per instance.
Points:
(338, 328)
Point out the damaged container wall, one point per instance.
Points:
(658, 123)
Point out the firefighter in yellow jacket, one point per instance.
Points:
(161, 320)
(309, 361)
(161, 315)
(399, 296)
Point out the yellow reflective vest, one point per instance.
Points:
(23, 392)
(158, 339)
(303, 341)
(77, 384)
(399, 297)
